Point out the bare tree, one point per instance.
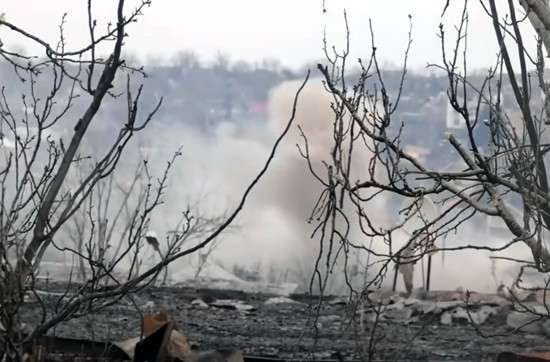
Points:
(105, 221)
(46, 186)
(489, 167)
(494, 175)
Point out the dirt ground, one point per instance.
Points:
(265, 325)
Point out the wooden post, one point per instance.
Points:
(429, 273)
(395, 275)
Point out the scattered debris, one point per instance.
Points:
(154, 347)
(527, 321)
(149, 306)
(516, 295)
(161, 341)
(280, 300)
(214, 320)
(177, 344)
(450, 307)
(199, 303)
(400, 315)
(462, 314)
(232, 304)
(384, 297)
(339, 301)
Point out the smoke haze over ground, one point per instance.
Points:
(274, 232)
(289, 192)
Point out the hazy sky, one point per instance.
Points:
(290, 30)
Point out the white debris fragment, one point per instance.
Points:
(529, 322)
(199, 303)
(280, 300)
(426, 308)
(150, 305)
(446, 318)
(341, 301)
(478, 315)
(233, 304)
(400, 315)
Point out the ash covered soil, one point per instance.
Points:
(275, 326)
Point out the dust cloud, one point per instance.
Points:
(294, 192)
(274, 233)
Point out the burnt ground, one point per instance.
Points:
(279, 330)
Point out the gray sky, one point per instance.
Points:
(290, 30)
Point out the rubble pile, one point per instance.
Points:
(225, 325)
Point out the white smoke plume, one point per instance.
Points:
(294, 189)
(293, 192)
(275, 231)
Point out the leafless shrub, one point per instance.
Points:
(54, 194)
(495, 169)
